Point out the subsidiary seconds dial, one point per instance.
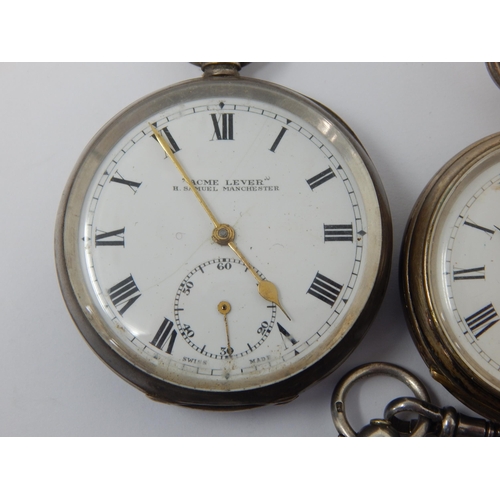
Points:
(215, 311)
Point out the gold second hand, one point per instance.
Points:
(223, 234)
(224, 308)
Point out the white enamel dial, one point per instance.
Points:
(277, 298)
(465, 269)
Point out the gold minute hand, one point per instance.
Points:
(223, 234)
(170, 154)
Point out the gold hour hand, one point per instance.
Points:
(267, 289)
(224, 234)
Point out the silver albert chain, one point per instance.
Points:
(432, 420)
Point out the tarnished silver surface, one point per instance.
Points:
(338, 408)
(442, 357)
(447, 422)
(494, 70)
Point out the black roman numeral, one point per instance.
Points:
(226, 121)
(321, 178)
(111, 239)
(474, 273)
(165, 335)
(287, 337)
(124, 294)
(134, 186)
(338, 232)
(481, 228)
(171, 141)
(482, 320)
(325, 289)
(278, 139)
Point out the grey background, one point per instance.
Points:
(411, 117)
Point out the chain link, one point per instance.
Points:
(432, 420)
(445, 422)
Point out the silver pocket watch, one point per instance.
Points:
(223, 243)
